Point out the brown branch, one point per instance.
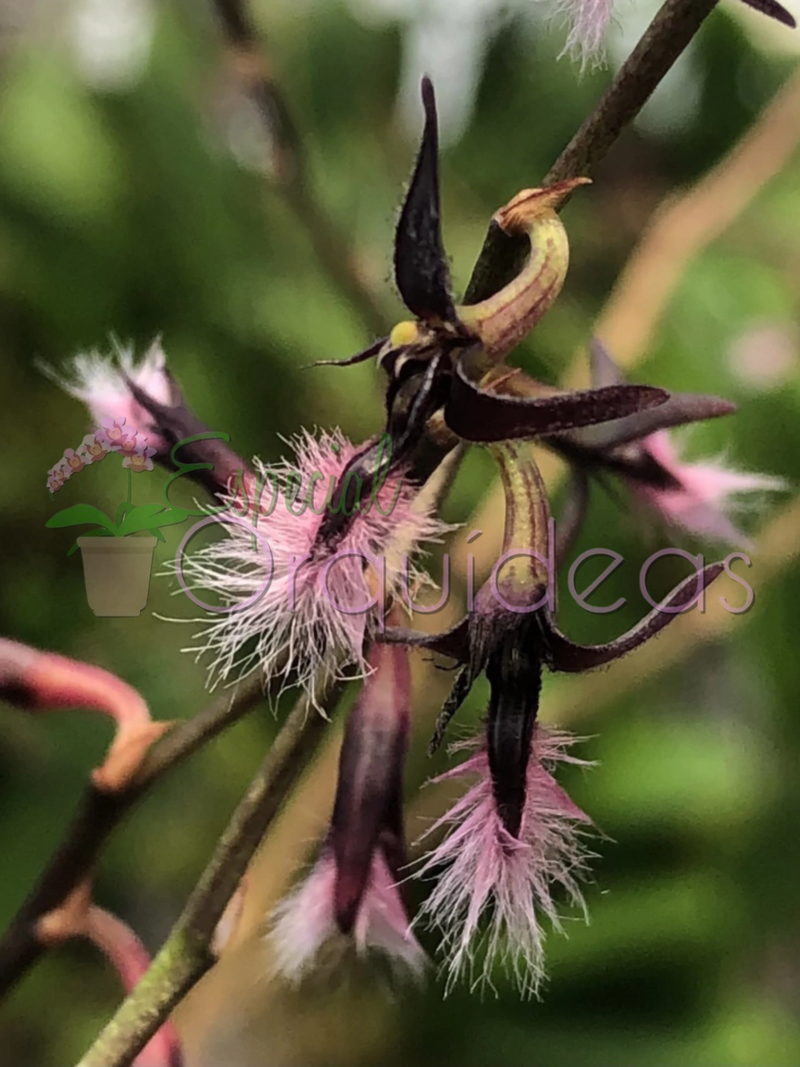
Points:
(291, 171)
(673, 27)
(98, 814)
(187, 953)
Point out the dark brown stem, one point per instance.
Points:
(98, 814)
(665, 39)
(186, 954)
(290, 170)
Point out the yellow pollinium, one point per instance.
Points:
(404, 333)
(504, 319)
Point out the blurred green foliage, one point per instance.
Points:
(126, 213)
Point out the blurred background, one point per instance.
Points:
(137, 198)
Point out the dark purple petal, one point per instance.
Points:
(679, 410)
(221, 466)
(420, 265)
(369, 791)
(484, 417)
(407, 420)
(405, 428)
(491, 627)
(564, 655)
(774, 10)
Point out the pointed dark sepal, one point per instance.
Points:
(564, 655)
(369, 792)
(484, 417)
(177, 422)
(774, 10)
(679, 410)
(420, 264)
(359, 357)
(490, 625)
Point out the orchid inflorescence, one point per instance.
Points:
(113, 436)
(325, 601)
(118, 436)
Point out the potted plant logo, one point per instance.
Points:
(118, 553)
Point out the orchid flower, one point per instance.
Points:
(440, 363)
(300, 595)
(132, 444)
(309, 552)
(141, 458)
(517, 824)
(697, 497)
(353, 892)
(105, 385)
(93, 449)
(115, 433)
(74, 461)
(58, 475)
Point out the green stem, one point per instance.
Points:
(99, 814)
(664, 41)
(186, 955)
